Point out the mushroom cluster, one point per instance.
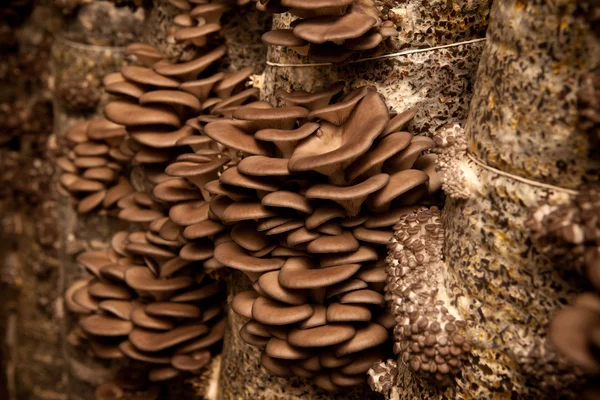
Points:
(329, 30)
(159, 100)
(143, 302)
(429, 335)
(91, 169)
(310, 209)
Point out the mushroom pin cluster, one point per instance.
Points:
(91, 169)
(429, 336)
(310, 210)
(144, 302)
(329, 30)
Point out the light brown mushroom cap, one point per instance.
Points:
(281, 349)
(263, 166)
(150, 341)
(192, 362)
(191, 69)
(363, 296)
(101, 325)
(374, 159)
(338, 312)
(146, 76)
(189, 212)
(368, 337)
(269, 284)
(364, 253)
(143, 320)
(312, 101)
(334, 28)
(287, 199)
(274, 313)
(349, 197)
(342, 243)
(243, 302)
(228, 84)
(235, 138)
(131, 114)
(283, 37)
(246, 235)
(234, 256)
(141, 279)
(171, 97)
(128, 349)
(337, 147)
(160, 374)
(301, 273)
(278, 118)
(201, 88)
(241, 211)
(406, 158)
(399, 183)
(119, 308)
(173, 310)
(321, 336)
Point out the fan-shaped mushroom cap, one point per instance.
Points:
(142, 320)
(406, 158)
(281, 349)
(128, 349)
(160, 374)
(364, 253)
(232, 255)
(131, 114)
(278, 118)
(228, 84)
(368, 337)
(274, 313)
(269, 284)
(191, 69)
(312, 101)
(233, 137)
(287, 199)
(285, 37)
(400, 120)
(173, 310)
(374, 159)
(152, 342)
(321, 336)
(171, 97)
(201, 88)
(334, 28)
(399, 183)
(337, 312)
(246, 235)
(146, 76)
(119, 308)
(337, 147)
(301, 273)
(196, 34)
(263, 166)
(342, 243)
(140, 278)
(243, 302)
(192, 362)
(372, 236)
(101, 325)
(349, 197)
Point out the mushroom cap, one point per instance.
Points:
(141, 278)
(171, 97)
(399, 183)
(263, 166)
(337, 147)
(131, 114)
(234, 256)
(246, 235)
(366, 338)
(146, 76)
(269, 285)
(282, 349)
(101, 325)
(270, 312)
(243, 302)
(342, 243)
(173, 310)
(321, 336)
(150, 341)
(338, 312)
(283, 37)
(191, 68)
(300, 273)
(287, 199)
(233, 137)
(334, 28)
(191, 362)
